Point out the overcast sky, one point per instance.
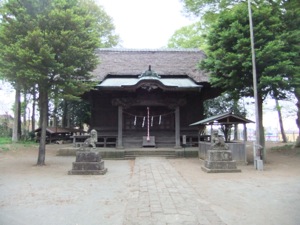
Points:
(145, 23)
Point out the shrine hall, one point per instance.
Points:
(148, 98)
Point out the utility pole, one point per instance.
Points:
(257, 121)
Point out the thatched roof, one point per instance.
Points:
(163, 61)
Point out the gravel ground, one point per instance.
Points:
(36, 195)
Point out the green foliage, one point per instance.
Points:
(192, 36)
(5, 131)
(223, 104)
(229, 56)
(7, 145)
(207, 9)
(5, 140)
(277, 47)
(79, 112)
(52, 43)
(276, 30)
(108, 38)
(291, 36)
(283, 148)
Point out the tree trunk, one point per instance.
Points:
(33, 110)
(55, 102)
(68, 117)
(16, 132)
(43, 102)
(284, 139)
(65, 112)
(297, 95)
(261, 128)
(25, 122)
(24, 115)
(19, 118)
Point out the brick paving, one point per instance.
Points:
(159, 195)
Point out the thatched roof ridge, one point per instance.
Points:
(173, 62)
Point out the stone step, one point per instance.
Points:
(134, 141)
(149, 153)
(158, 143)
(88, 165)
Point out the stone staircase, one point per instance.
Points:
(161, 141)
(149, 152)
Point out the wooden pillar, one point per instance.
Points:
(236, 137)
(245, 133)
(244, 141)
(211, 133)
(177, 127)
(120, 127)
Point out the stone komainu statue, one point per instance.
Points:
(218, 143)
(92, 140)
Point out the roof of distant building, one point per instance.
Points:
(6, 116)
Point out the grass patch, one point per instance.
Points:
(28, 143)
(287, 149)
(4, 148)
(282, 148)
(5, 140)
(6, 144)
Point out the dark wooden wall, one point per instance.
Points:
(104, 116)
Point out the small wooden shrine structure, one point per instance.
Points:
(54, 134)
(228, 119)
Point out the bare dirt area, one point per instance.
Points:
(35, 195)
(268, 197)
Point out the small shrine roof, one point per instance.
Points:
(225, 118)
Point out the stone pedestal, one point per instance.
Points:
(88, 163)
(219, 161)
(150, 142)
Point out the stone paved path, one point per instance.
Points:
(159, 195)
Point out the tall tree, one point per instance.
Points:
(292, 33)
(192, 36)
(207, 10)
(51, 43)
(229, 55)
